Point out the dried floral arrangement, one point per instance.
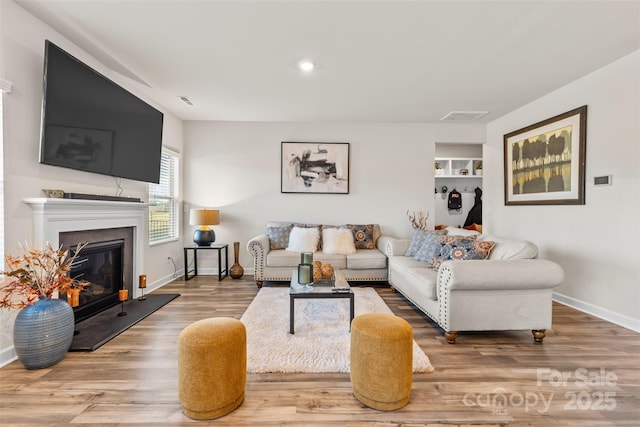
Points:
(418, 219)
(37, 274)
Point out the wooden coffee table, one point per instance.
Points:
(339, 289)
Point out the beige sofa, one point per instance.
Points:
(274, 263)
(511, 290)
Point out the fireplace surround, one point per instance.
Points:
(71, 221)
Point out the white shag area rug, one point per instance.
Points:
(321, 341)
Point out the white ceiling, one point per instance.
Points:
(377, 61)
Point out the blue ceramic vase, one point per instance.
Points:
(42, 333)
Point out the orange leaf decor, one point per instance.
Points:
(37, 274)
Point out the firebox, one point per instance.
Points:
(100, 264)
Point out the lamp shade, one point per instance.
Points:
(204, 217)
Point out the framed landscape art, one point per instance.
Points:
(544, 163)
(315, 167)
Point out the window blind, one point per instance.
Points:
(164, 201)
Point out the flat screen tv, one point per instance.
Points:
(90, 123)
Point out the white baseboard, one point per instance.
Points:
(7, 356)
(164, 281)
(602, 313)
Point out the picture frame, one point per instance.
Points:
(314, 167)
(544, 163)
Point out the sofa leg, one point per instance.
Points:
(451, 336)
(538, 334)
(259, 283)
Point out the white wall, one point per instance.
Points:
(597, 244)
(22, 39)
(236, 167)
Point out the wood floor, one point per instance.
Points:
(587, 372)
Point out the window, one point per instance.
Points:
(164, 201)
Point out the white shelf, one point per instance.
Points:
(455, 167)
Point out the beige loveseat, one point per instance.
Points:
(510, 290)
(272, 261)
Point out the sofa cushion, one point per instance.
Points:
(511, 248)
(365, 259)
(278, 236)
(461, 248)
(416, 273)
(303, 239)
(363, 235)
(337, 241)
(418, 238)
(338, 262)
(282, 258)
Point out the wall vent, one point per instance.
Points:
(464, 116)
(186, 100)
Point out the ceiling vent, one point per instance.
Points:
(186, 100)
(464, 116)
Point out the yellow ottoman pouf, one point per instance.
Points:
(212, 367)
(381, 360)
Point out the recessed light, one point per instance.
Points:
(306, 66)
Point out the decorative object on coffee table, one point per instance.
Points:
(236, 270)
(306, 269)
(306, 258)
(305, 275)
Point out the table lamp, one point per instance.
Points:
(203, 218)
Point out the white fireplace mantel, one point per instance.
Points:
(53, 216)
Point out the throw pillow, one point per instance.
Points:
(418, 239)
(303, 239)
(316, 226)
(461, 248)
(363, 236)
(338, 241)
(322, 228)
(430, 246)
(278, 237)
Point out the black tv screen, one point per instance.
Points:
(90, 123)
